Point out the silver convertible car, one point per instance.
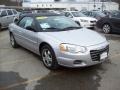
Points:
(59, 41)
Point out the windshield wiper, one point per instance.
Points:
(51, 28)
(71, 28)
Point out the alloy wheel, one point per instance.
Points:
(106, 28)
(47, 57)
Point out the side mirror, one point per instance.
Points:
(15, 20)
(30, 28)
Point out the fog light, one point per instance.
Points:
(78, 62)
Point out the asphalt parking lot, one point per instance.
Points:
(20, 69)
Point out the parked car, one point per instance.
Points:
(81, 19)
(96, 14)
(110, 23)
(59, 40)
(7, 16)
(108, 12)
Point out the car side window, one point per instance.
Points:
(94, 14)
(29, 22)
(14, 11)
(67, 14)
(91, 14)
(86, 13)
(4, 13)
(9, 12)
(22, 22)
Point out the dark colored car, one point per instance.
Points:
(96, 14)
(110, 23)
(109, 12)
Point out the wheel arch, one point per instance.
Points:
(55, 64)
(106, 23)
(43, 44)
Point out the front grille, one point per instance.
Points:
(95, 54)
(93, 21)
(92, 25)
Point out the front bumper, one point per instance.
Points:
(88, 24)
(81, 59)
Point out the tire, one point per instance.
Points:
(48, 53)
(106, 28)
(0, 27)
(13, 42)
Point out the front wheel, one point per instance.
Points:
(48, 57)
(106, 28)
(0, 27)
(13, 42)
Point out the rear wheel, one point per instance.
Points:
(13, 42)
(48, 57)
(106, 28)
(0, 27)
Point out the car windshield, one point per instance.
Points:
(57, 23)
(98, 13)
(78, 14)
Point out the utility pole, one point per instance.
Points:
(94, 5)
(103, 5)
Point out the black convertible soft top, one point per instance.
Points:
(40, 14)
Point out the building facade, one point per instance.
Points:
(67, 4)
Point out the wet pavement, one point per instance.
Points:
(20, 69)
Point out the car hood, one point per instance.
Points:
(86, 18)
(82, 37)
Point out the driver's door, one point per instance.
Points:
(30, 36)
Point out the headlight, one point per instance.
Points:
(72, 48)
(82, 20)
